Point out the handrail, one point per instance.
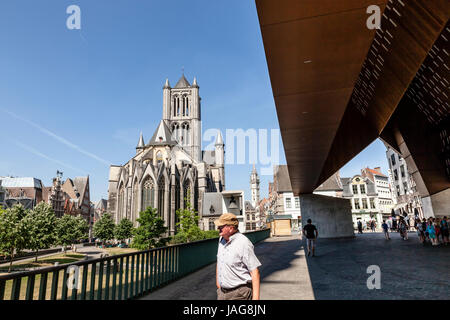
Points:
(138, 272)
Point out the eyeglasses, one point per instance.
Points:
(221, 227)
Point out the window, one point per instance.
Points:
(253, 217)
(148, 194)
(355, 189)
(402, 170)
(248, 226)
(372, 203)
(395, 174)
(248, 217)
(398, 190)
(288, 202)
(393, 159)
(357, 204)
(253, 226)
(363, 189)
(364, 203)
(405, 187)
(297, 202)
(161, 200)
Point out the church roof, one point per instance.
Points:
(162, 136)
(182, 83)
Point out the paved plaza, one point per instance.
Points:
(339, 271)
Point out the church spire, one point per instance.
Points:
(219, 139)
(167, 84)
(194, 84)
(141, 143)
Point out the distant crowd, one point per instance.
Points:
(433, 231)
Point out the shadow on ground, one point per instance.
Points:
(408, 269)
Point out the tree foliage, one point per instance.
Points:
(41, 227)
(123, 230)
(70, 229)
(13, 231)
(151, 228)
(104, 228)
(188, 229)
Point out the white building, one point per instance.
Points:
(217, 203)
(403, 186)
(385, 203)
(363, 199)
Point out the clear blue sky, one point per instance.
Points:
(76, 100)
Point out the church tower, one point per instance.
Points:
(254, 185)
(181, 113)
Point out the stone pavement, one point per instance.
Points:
(339, 271)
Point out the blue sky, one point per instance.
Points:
(76, 100)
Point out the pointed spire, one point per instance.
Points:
(167, 84)
(141, 143)
(219, 139)
(194, 84)
(182, 83)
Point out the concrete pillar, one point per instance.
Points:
(437, 205)
(332, 216)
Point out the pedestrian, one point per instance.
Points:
(311, 234)
(402, 229)
(372, 225)
(437, 228)
(444, 230)
(359, 226)
(420, 231)
(385, 230)
(431, 232)
(237, 274)
(394, 224)
(389, 223)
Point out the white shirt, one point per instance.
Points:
(235, 259)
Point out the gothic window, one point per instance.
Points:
(187, 192)
(121, 201)
(175, 131)
(161, 188)
(148, 194)
(185, 105)
(185, 136)
(135, 200)
(176, 103)
(159, 158)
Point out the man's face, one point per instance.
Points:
(226, 231)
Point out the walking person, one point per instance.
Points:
(359, 226)
(444, 230)
(437, 228)
(389, 223)
(311, 234)
(385, 230)
(237, 274)
(420, 231)
(431, 232)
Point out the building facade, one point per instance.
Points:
(385, 203)
(170, 169)
(403, 187)
(361, 192)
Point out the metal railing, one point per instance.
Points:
(118, 277)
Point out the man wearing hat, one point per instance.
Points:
(237, 274)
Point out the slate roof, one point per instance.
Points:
(162, 136)
(182, 83)
(281, 179)
(333, 183)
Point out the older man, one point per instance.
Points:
(237, 274)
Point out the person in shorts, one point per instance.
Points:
(311, 234)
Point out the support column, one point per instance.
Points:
(332, 216)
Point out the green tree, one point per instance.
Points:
(104, 228)
(41, 226)
(124, 230)
(70, 229)
(151, 228)
(188, 229)
(13, 232)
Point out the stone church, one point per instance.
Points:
(171, 165)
